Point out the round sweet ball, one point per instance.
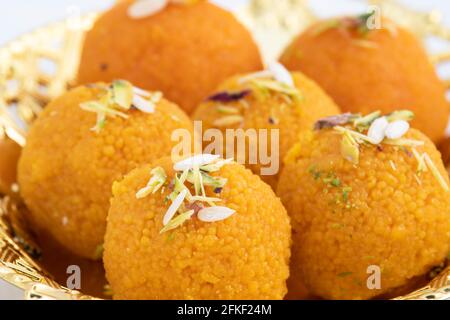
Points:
(368, 215)
(171, 235)
(276, 105)
(185, 49)
(80, 144)
(365, 69)
(10, 153)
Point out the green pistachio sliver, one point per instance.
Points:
(178, 221)
(435, 172)
(367, 120)
(358, 137)
(214, 167)
(178, 185)
(228, 121)
(97, 107)
(349, 149)
(157, 180)
(227, 110)
(122, 93)
(208, 180)
(101, 121)
(421, 165)
(276, 86)
(405, 115)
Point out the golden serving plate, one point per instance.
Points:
(41, 65)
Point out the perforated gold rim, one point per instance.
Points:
(25, 88)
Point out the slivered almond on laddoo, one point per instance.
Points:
(365, 64)
(273, 99)
(364, 192)
(207, 229)
(80, 144)
(183, 48)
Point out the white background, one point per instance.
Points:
(20, 16)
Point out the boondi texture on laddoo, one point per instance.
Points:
(385, 205)
(244, 256)
(185, 50)
(255, 102)
(366, 70)
(69, 163)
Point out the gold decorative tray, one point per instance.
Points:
(41, 65)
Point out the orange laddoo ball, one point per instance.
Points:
(245, 256)
(66, 169)
(381, 217)
(185, 50)
(261, 108)
(10, 153)
(363, 71)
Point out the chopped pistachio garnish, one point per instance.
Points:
(118, 97)
(178, 221)
(97, 107)
(157, 180)
(195, 171)
(122, 93)
(419, 182)
(265, 86)
(216, 166)
(207, 180)
(228, 121)
(405, 115)
(227, 110)
(421, 165)
(359, 137)
(366, 121)
(349, 148)
(435, 172)
(379, 129)
(393, 166)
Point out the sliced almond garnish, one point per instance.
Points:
(141, 92)
(281, 74)
(178, 221)
(214, 214)
(143, 104)
(176, 204)
(145, 8)
(397, 129)
(197, 160)
(377, 130)
(435, 172)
